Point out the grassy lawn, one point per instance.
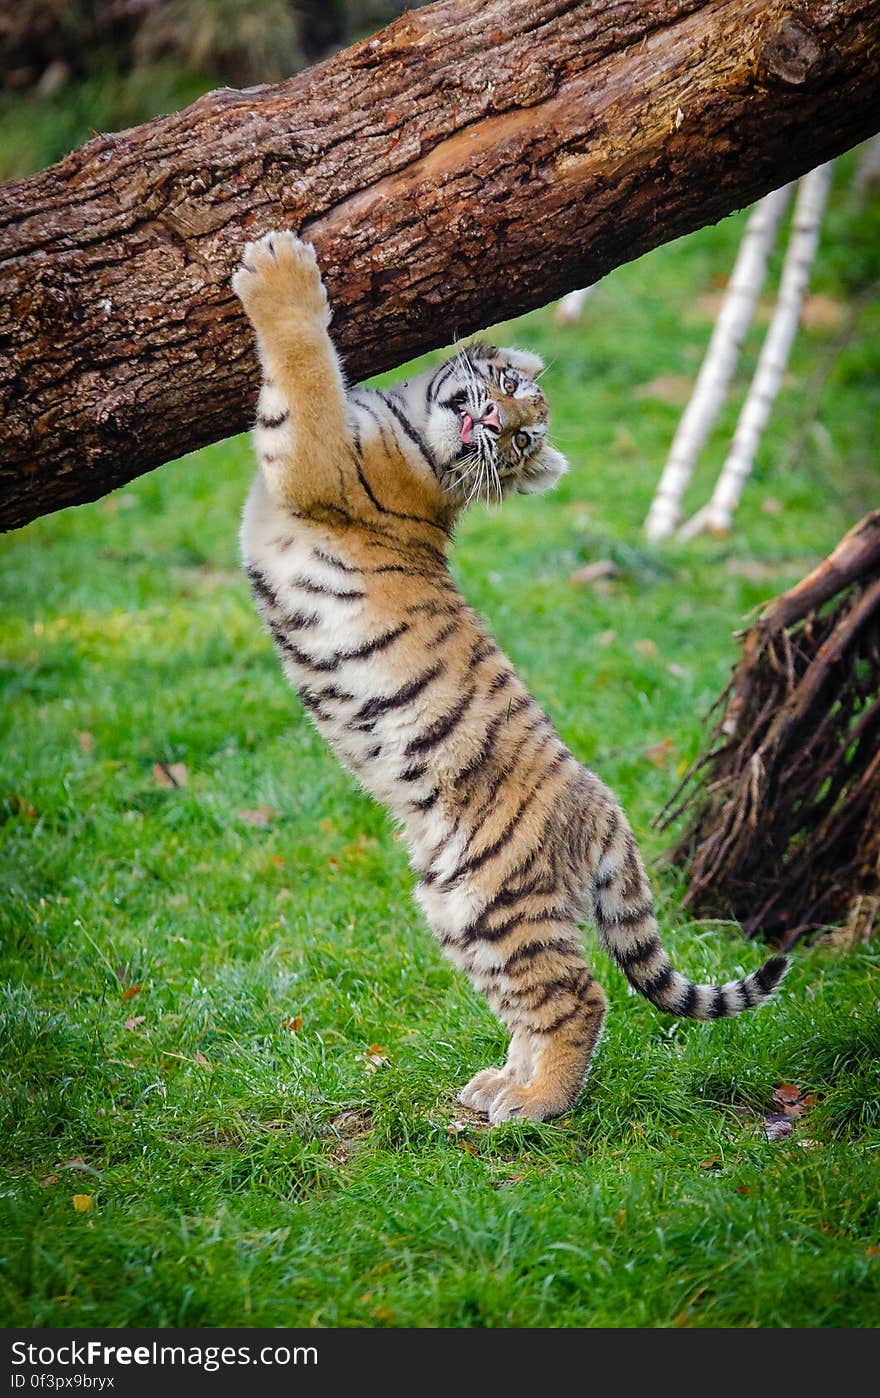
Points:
(226, 1032)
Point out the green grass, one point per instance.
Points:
(245, 1172)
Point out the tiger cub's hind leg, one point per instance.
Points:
(555, 1010)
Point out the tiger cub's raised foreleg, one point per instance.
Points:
(301, 435)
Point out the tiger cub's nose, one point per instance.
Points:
(490, 418)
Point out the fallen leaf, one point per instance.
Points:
(744, 1190)
(793, 1102)
(131, 991)
(82, 1203)
(170, 774)
(872, 1250)
(771, 506)
(786, 1092)
(384, 1315)
(658, 754)
(646, 647)
(201, 1059)
(375, 1057)
(49, 1179)
(294, 1025)
(86, 741)
(777, 1125)
(667, 388)
(605, 638)
(821, 312)
(133, 1023)
(593, 572)
(260, 816)
(713, 1163)
(20, 805)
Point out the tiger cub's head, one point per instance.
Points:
(487, 425)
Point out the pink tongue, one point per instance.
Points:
(467, 428)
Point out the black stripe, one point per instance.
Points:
(391, 542)
(577, 1009)
(333, 662)
(446, 631)
(528, 952)
(633, 956)
(413, 773)
(481, 649)
(479, 932)
(433, 607)
(655, 987)
(501, 680)
(261, 587)
(441, 727)
(334, 562)
(368, 648)
(718, 1007)
(571, 982)
(688, 1004)
(625, 920)
(263, 420)
(426, 801)
(613, 827)
(439, 378)
(395, 514)
(748, 993)
(322, 590)
(408, 571)
(410, 430)
(480, 758)
(771, 973)
(407, 692)
(476, 860)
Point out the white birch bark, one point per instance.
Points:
(801, 252)
(569, 308)
(719, 363)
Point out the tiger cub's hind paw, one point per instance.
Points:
(279, 272)
(483, 1088)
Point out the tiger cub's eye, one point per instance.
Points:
(509, 384)
(521, 440)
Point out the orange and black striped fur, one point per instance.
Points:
(345, 540)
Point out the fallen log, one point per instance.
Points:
(474, 160)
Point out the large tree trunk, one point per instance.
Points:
(476, 159)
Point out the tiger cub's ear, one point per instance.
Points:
(542, 472)
(527, 363)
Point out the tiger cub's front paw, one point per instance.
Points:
(280, 273)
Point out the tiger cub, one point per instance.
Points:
(345, 538)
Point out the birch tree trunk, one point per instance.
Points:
(475, 159)
(717, 516)
(713, 380)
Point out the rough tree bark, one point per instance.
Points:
(477, 158)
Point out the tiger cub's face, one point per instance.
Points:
(487, 426)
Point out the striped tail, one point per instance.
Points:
(624, 915)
